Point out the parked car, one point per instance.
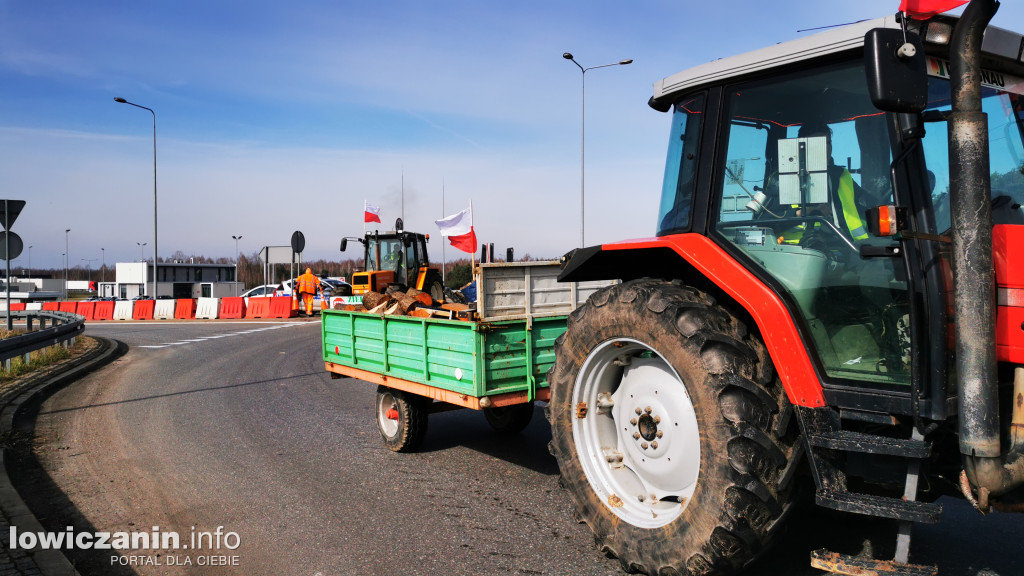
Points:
(264, 290)
(329, 287)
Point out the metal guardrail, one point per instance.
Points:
(64, 327)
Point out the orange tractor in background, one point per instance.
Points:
(396, 257)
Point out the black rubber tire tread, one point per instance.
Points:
(412, 420)
(737, 507)
(510, 419)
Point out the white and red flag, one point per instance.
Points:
(925, 9)
(371, 213)
(459, 229)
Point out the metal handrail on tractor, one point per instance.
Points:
(64, 327)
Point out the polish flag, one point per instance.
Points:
(371, 213)
(459, 230)
(925, 9)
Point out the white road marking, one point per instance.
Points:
(273, 326)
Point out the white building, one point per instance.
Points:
(175, 280)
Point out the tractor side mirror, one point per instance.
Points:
(896, 73)
(344, 244)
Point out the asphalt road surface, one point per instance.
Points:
(237, 425)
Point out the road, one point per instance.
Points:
(237, 425)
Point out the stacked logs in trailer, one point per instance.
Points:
(411, 302)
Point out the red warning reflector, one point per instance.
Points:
(337, 350)
(392, 414)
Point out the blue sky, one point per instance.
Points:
(275, 116)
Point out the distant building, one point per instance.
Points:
(175, 280)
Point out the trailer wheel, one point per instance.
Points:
(509, 419)
(401, 419)
(670, 430)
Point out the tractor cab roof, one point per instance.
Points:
(1002, 49)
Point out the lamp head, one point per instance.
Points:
(120, 100)
(624, 62)
(567, 56)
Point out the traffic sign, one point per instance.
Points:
(298, 242)
(9, 211)
(15, 247)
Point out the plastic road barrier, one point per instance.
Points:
(17, 306)
(185, 308)
(208, 308)
(34, 306)
(85, 309)
(258, 308)
(281, 307)
(104, 310)
(123, 309)
(232, 307)
(71, 307)
(164, 309)
(51, 306)
(143, 310)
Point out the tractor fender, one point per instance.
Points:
(697, 260)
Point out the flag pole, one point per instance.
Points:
(472, 255)
(364, 217)
(444, 261)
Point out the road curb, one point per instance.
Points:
(49, 562)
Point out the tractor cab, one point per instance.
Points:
(395, 257)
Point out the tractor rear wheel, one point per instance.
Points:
(401, 419)
(670, 429)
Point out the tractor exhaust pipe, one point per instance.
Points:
(974, 289)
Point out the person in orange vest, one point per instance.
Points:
(306, 288)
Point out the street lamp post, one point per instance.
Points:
(67, 261)
(236, 239)
(142, 255)
(103, 264)
(29, 261)
(155, 251)
(88, 267)
(583, 126)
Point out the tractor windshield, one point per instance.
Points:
(384, 253)
(805, 155)
(1003, 102)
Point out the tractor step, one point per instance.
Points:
(836, 563)
(848, 441)
(880, 506)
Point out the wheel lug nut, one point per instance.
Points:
(639, 411)
(648, 409)
(644, 446)
(636, 435)
(657, 419)
(660, 434)
(654, 444)
(632, 421)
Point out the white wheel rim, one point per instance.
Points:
(386, 402)
(637, 439)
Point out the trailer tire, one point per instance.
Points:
(404, 429)
(510, 419)
(670, 430)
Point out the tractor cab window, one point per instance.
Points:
(804, 155)
(391, 255)
(681, 166)
(1002, 99)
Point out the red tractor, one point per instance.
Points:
(831, 299)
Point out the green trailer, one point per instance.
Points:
(497, 362)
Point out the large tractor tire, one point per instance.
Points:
(670, 429)
(401, 419)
